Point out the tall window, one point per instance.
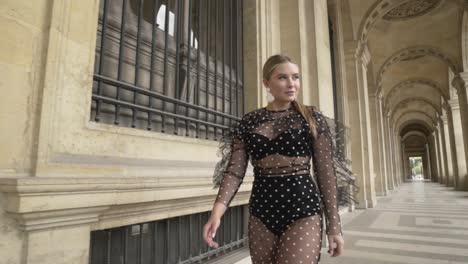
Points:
(171, 66)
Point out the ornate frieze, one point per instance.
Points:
(411, 9)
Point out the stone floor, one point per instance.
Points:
(419, 223)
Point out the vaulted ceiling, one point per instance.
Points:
(415, 48)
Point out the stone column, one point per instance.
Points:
(460, 82)
(426, 164)
(440, 156)
(406, 170)
(390, 161)
(428, 173)
(399, 157)
(459, 144)
(434, 157)
(393, 151)
(450, 146)
(377, 142)
(305, 37)
(383, 146)
(361, 148)
(444, 153)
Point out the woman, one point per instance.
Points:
(286, 203)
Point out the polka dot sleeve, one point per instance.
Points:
(322, 154)
(232, 172)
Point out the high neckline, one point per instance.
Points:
(278, 111)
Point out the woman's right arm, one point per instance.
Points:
(230, 184)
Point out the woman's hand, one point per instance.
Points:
(335, 245)
(209, 231)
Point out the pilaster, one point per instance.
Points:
(459, 144)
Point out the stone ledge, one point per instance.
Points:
(43, 203)
(37, 194)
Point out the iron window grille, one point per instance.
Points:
(174, 240)
(171, 66)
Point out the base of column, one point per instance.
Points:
(383, 193)
(371, 203)
(361, 204)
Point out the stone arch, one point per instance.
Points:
(414, 116)
(414, 125)
(397, 120)
(377, 11)
(413, 133)
(413, 53)
(425, 81)
(409, 100)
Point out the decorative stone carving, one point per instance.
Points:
(411, 9)
(412, 53)
(412, 82)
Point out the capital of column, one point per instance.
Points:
(444, 104)
(454, 104)
(460, 82)
(364, 54)
(351, 49)
(444, 119)
(380, 95)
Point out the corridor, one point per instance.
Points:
(420, 223)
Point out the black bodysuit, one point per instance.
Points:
(286, 202)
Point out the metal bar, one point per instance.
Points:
(207, 55)
(166, 37)
(121, 52)
(230, 59)
(236, 32)
(179, 235)
(156, 111)
(168, 238)
(153, 47)
(109, 243)
(242, 55)
(189, 59)
(124, 241)
(216, 66)
(224, 60)
(130, 87)
(153, 242)
(140, 245)
(190, 234)
(178, 29)
(200, 248)
(197, 94)
(101, 58)
(137, 59)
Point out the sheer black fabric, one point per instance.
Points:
(285, 196)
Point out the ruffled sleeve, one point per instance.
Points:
(230, 170)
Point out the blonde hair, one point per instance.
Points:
(268, 68)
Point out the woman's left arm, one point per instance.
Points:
(322, 154)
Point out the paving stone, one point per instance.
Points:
(419, 223)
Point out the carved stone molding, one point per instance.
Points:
(412, 53)
(411, 9)
(415, 81)
(39, 203)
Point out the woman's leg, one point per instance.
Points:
(262, 242)
(301, 242)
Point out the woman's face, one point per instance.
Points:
(284, 82)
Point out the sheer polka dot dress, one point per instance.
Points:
(286, 202)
